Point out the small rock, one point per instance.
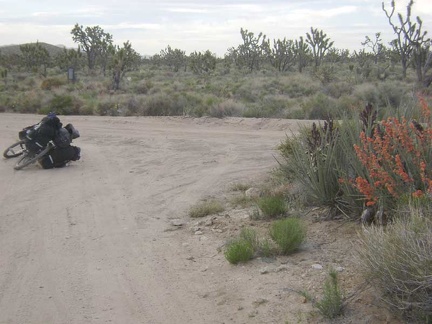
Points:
(264, 271)
(209, 222)
(199, 233)
(177, 222)
(317, 266)
(339, 269)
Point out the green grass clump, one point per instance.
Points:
(248, 245)
(206, 208)
(239, 250)
(250, 235)
(272, 206)
(330, 305)
(289, 234)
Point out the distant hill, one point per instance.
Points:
(15, 49)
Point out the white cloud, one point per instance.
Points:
(200, 24)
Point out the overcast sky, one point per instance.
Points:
(200, 25)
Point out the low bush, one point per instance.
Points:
(51, 83)
(289, 234)
(206, 208)
(398, 261)
(272, 206)
(238, 251)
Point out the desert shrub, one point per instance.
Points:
(87, 108)
(205, 208)
(288, 233)
(238, 251)
(62, 105)
(239, 186)
(142, 86)
(338, 89)
(275, 105)
(321, 107)
(250, 91)
(367, 93)
(397, 260)
(250, 235)
(51, 83)
(107, 107)
(330, 305)
(227, 107)
(28, 102)
(299, 85)
(272, 206)
(161, 104)
(392, 95)
(348, 107)
(247, 245)
(133, 105)
(326, 73)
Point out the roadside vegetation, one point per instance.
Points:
(367, 157)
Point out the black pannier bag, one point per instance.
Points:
(63, 138)
(58, 157)
(40, 134)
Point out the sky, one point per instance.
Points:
(193, 25)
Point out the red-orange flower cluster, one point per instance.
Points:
(396, 157)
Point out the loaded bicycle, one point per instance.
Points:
(47, 143)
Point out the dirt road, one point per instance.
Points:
(95, 243)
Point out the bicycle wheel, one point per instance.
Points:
(14, 150)
(28, 159)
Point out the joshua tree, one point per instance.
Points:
(93, 41)
(123, 60)
(319, 43)
(34, 55)
(302, 53)
(411, 41)
(174, 58)
(282, 55)
(376, 46)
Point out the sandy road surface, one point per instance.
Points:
(93, 242)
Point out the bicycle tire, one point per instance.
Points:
(27, 159)
(11, 153)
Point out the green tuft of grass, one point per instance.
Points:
(272, 206)
(206, 208)
(239, 250)
(330, 306)
(289, 234)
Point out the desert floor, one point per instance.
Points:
(108, 239)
